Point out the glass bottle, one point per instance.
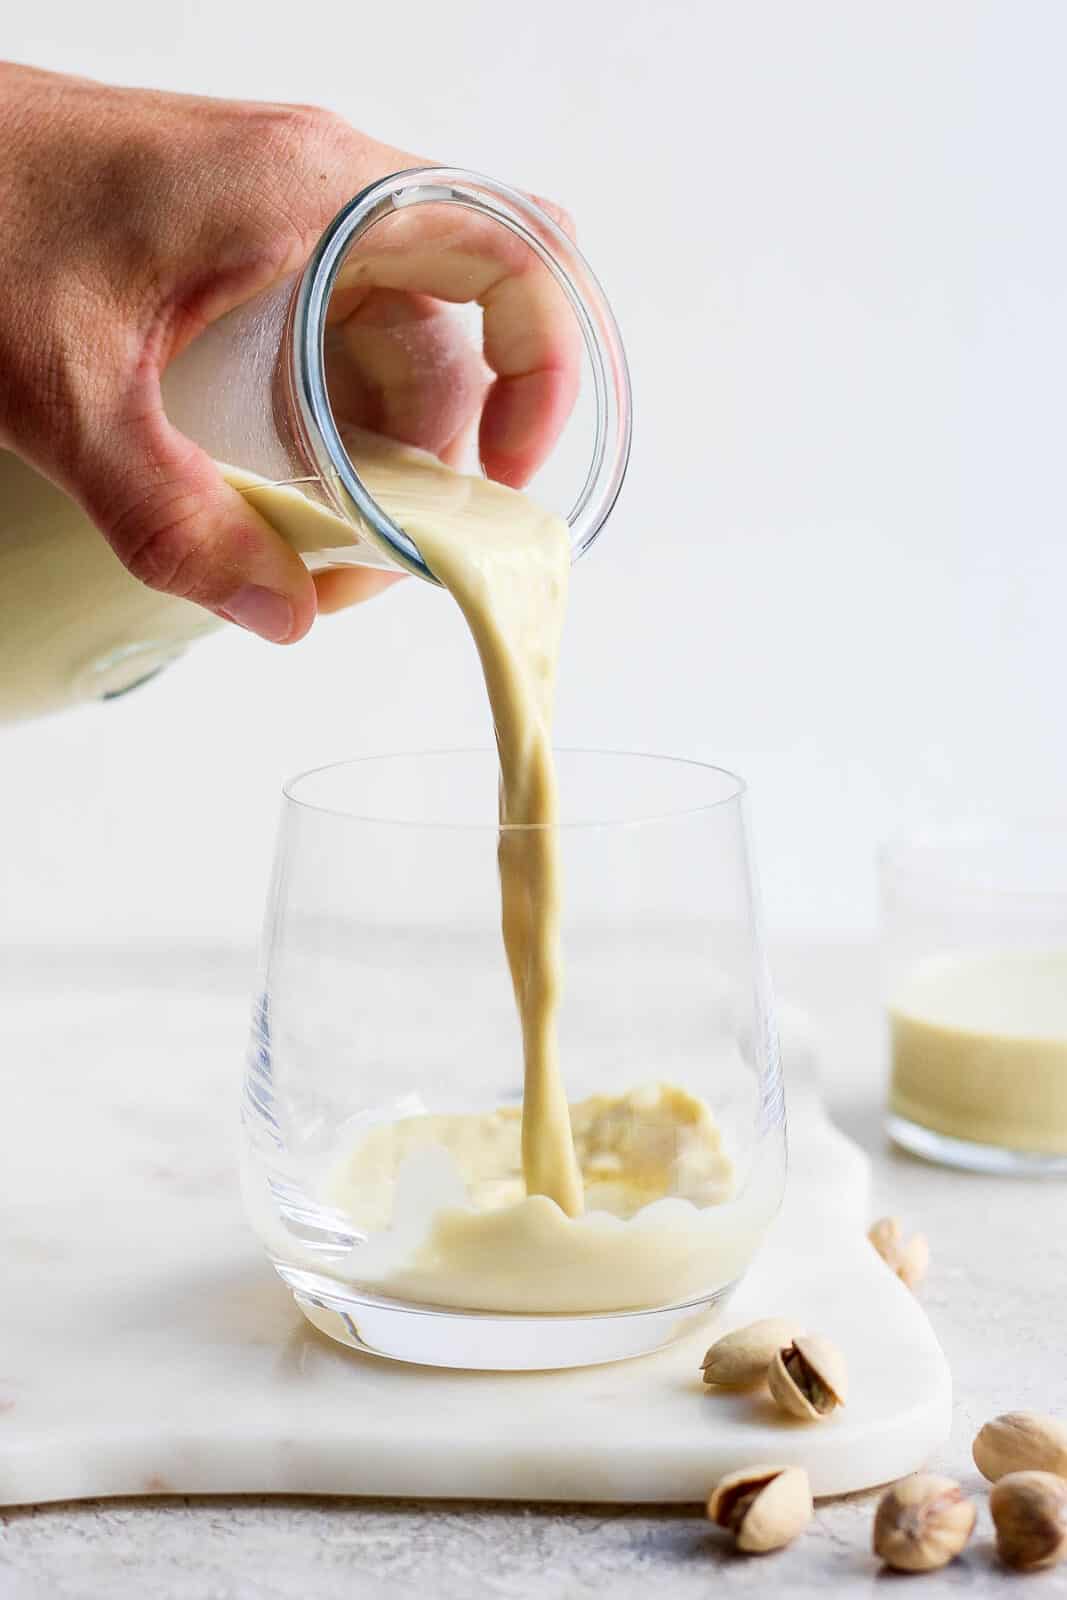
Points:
(253, 390)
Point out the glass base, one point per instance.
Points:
(973, 1157)
(489, 1341)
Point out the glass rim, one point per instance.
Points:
(602, 340)
(738, 790)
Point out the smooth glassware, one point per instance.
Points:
(385, 997)
(974, 946)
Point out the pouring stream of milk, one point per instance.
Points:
(506, 563)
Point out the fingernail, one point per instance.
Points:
(260, 611)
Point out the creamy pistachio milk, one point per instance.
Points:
(74, 625)
(506, 563)
(979, 1049)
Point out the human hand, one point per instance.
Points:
(132, 220)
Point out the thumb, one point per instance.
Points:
(174, 523)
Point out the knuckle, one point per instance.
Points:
(560, 216)
(289, 164)
(325, 124)
(163, 541)
(298, 135)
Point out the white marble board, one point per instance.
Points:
(146, 1347)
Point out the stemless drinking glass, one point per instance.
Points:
(384, 1079)
(974, 948)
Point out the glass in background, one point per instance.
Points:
(974, 940)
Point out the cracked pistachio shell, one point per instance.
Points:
(764, 1507)
(1021, 1441)
(741, 1358)
(809, 1378)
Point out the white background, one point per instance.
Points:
(834, 235)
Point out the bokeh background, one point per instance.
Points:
(834, 236)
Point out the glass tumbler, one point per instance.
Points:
(974, 942)
(383, 1091)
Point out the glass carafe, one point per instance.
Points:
(257, 390)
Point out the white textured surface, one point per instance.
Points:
(192, 1371)
(995, 1297)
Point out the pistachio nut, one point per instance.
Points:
(1029, 1511)
(764, 1507)
(740, 1359)
(887, 1236)
(922, 1522)
(914, 1261)
(808, 1378)
(1021, 1441)
(909, 1259)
